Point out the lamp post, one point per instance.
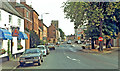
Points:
(42, 22)
(42, 16)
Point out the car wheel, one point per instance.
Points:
(39, 62)
(42, 60)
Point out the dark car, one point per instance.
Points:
(33, 55)
(51, 46)
(57, 43)
(47, 50)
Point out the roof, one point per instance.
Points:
(45, 25)
(36, 12)
(9, 8)
(18, 4)
(25, 6)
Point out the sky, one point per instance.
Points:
(53, 7)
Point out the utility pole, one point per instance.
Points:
(101, 21)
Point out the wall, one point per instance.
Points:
(44, 33)
(14, 23)
(51, 34)
(35, 21)
(4, 20)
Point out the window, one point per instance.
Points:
(27, 14)
(10, 19)
(0, 15)
(19, 22)
(27, 25)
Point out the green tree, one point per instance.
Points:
(35, 40)
(97, 14)
(62, 34)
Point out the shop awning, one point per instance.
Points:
(5, 34)
(22, 36)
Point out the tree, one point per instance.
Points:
(62, 34)
(97, 14)
(35, 40)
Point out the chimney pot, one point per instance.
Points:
(23, 1)
(13, 2)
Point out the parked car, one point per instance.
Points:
(43, 49)
(33, 55)
(51, 46)
(79, 42)
(69, 42)
(58, 43)
(47, 50)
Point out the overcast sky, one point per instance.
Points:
(55, 13)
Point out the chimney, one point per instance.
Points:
(22, 1)
(13, 2)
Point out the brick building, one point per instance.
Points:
(44, 32)
(70, 37)
(40, 29)
(56, 24)
(51, 34)
(25, 11)
(35, 20)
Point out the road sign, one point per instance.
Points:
(78, 38)
(100, 38)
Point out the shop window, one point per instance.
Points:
(19, 46)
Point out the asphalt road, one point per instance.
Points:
(68, 57)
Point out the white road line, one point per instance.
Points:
(71, 49)
(73, 59)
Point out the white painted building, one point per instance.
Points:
(9, 18)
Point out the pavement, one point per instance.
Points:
(105, 50)
(10, 65)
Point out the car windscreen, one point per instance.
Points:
(32, 51)
(41, 48)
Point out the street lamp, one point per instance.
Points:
(43, 14)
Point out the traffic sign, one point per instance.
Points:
(78, 38)
(100, 38)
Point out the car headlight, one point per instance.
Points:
(36, 57)
(22, 58)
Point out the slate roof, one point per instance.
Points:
(9, 8)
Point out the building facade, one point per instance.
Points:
(25, 11)
(44, 32)
(40, 30)
(56, 24)
(11, 21)
(51, 34)
(35, 21)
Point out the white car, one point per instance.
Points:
(69, 42)
(78, 42)
(43, 49)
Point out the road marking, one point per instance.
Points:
(71, 49)
(73, 59)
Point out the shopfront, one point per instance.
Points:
(5, 38)
(18, 42)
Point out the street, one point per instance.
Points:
(68, 57)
